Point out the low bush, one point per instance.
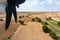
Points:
(53, 35)
(23, 16)
(58, 23)
(20, 17)
(38, 19)
(33, 19)
(49, 18)
(44, 23)
(9, 38)
(1, 20)
(46, 29)
(21, 22)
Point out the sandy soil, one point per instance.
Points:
(31, 31)
(5, 34)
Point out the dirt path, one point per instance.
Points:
(31, 31)
(5, 34)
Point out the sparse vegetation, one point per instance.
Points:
(27, 16)
(23, 16)
(1, 20)
(20, 17)
(46, 29)
(21, 22)
(9, 38)
(53, 35)
(49, 18)
(33, 19)
(58, 23)
(44, 23)
(38, 19)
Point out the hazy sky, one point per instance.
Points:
(40, 5)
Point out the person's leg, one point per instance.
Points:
(8, 17)
(17, 6)
(15, 14)
(19, 1)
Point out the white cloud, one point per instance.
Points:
(42, 2)
(46, 2)
(50, 1)
(32, 4)
(29, 6)
(45, 5)
(57, 2)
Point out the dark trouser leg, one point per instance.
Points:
(20, 1)
(15, 14)
(8, 17)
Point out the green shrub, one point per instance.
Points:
(44, 23)
(9, 38)
(23, 16)
(53, 35)
(38, 19)
(21, 22)
(33, 19)
(58, 23)
(1, 20)
(20, 17)
(49, 18)
(46, 29)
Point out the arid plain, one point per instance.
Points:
(31, 30)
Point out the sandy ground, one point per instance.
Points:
(5, 34)
(31, 31)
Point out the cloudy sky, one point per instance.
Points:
(40, 5)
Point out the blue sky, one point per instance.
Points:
(40, 5)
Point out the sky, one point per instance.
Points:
(39, 5)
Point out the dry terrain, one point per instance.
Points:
(31, 31)
(5, 34)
